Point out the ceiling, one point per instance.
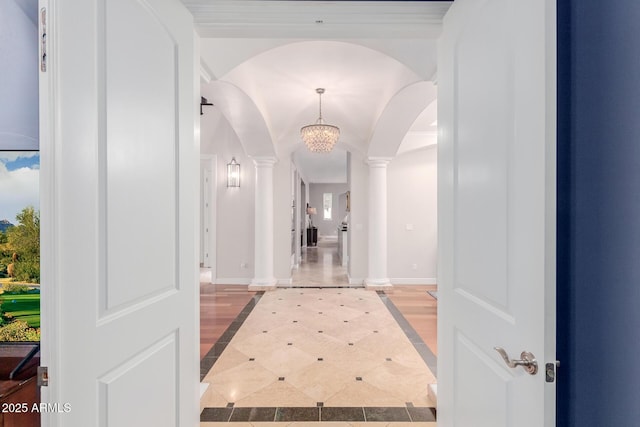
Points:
(264, 59)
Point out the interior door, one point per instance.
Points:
(120, 214)
(496, 161)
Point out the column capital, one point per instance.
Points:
(263, 161)
(378, 162)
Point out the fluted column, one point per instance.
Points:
(263, 274)
(377, 272)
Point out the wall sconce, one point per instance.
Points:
(233, 173)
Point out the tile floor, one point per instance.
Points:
(320, 266)
(296, 356)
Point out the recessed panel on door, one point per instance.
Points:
(139, 155)
(484, 114)
(151, 376)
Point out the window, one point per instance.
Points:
(327, 203)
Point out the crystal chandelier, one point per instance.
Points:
(320, 137)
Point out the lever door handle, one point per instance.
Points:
(528, 360)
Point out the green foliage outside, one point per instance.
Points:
(24, 307)
(20, 267)
(19, 331)
(20, 248)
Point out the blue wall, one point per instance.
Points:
(599, 213)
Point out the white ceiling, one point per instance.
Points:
(274, 55)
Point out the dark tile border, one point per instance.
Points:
(423, 350)
(298, 414)
(386, 414)
(319, 413)
(212, 356)
(342, 414)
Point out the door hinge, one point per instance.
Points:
(43, 376)
(43, 39)
(550, 371)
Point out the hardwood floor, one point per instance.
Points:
(219, 305)
(420, 309)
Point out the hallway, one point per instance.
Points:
(320, 266)
(307, 353)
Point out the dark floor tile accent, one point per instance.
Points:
(386, 414)
(216, 414)
(423, 350)
(388, 359)
(422, 414)
(320, 359)
(320, 413)
(342, 414)
(251, 359)
(211, 357)
(319, 312)
(345, 321)
(264, 332)
(280, 378)
(358, 378)
(230, 405)
(289, 343)
(297, 414)
(350, 343)
(295, 321)
(375, 332)
(319, 332)
(253, 414)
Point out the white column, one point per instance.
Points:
(377, 270)
(263, 276)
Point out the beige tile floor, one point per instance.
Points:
(307, 380)
(320, 266)
(287, 333)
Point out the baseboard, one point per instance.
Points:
(355, 280)
(233, 281)
(285, 282)
(414, 281)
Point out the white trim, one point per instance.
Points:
(205, 72)
(355, 280)
(50, 293)
(232, 281)
(285, 282)
(414, 281)
(212, 160)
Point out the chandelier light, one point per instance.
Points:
(320, 137)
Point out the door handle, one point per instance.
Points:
(528, 360)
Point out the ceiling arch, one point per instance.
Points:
(399, 116)
(244, 117)
(281, 83)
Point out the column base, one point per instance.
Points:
(263, 284)
(378, 284)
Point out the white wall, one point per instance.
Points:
(412, 201)
(358, 182)
(282, 219)
(316, 191)
(19, 127)
(235, 206)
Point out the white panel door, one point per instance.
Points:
(496, 160)
(120, 215)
